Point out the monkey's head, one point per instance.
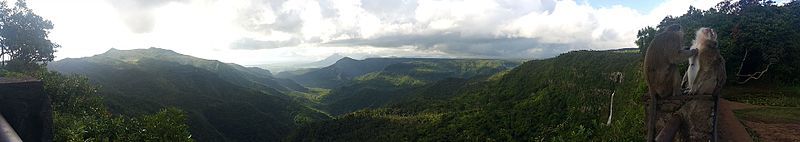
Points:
(706, 34)
(705, 37)
(675, 28)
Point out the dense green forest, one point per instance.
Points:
(401, 76)
(223, 102)
(230, 102)
(341, 72)
(527, 103)
(79, 113)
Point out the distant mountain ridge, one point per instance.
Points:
(347, 69)
(330, 60)
(341, 72)
(373, 82)
(224, 102)
(283, 67)
(246, 76)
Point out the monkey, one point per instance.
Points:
(709, 77)
(661, 62)
(661, 70)
(704, 37)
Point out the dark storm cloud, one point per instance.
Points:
(490, 33)
(252, 44)
(469, 44)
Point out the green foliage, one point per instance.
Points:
(402, 77)
(24, 44)
(243, 76)
(756, 31)
(559, 99)
(770, 114)
(644, 37)
(763, 95)
(437, 69)
(389, 79)
(166, 125)
(160, 127)
(498, 76)
(223, 102)
(344, 71)
(79, 114)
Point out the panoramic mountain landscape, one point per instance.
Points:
(410, 70)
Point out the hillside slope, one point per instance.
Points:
(395, 81)
(224, 102)
(342, 72)
(560, 99)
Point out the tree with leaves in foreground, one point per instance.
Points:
(24, 45)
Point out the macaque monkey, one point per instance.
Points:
(661, 62)
(661, 70)
(706, 39)
(705, 76)
(711, 66)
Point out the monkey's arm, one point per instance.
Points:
(685, 82)
(687, 53)
(682, 56)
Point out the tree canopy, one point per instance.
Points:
(24, 44)
(759, 39)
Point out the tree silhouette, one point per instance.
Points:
(24, 45)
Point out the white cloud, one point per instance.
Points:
(294, 30)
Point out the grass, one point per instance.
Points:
(770, 114)
(766, 96)
(314, 95)
(319, 93)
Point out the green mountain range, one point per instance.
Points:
(377, 98)
(346, 70)
(399, 77)
(559, 99)
(224, 102)
(229, 102)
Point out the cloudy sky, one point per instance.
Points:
(252, 32)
